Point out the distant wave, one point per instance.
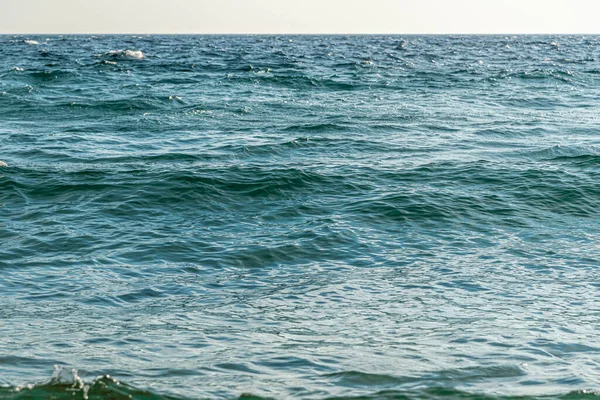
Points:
(125, 54)
(31, 42)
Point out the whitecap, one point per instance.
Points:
(126, 54)
(3, 164)
(32, 42)
(200, 111)
(401, 45)
(17, 69)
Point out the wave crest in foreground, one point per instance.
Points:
(66, 384)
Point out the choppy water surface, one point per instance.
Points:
(299, 217)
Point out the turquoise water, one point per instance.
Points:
(299, 217)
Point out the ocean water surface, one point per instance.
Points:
(299, 217)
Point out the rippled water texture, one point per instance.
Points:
(299, 217)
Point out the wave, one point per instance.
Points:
(37, 76)
(31, 42)
(448, 393)
(66, 384)
(120, 105)
(568, 153)
(443, 377)
(581, 161)
(125, 54)
(494, 191)
(318, 128)
(213, 188)
(537, 74)
(108, 388)
(302, 82)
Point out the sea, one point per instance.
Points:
(299, 217)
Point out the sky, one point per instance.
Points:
(300, 16)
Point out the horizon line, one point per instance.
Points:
(298, 34)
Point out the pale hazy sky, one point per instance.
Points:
(299, 16)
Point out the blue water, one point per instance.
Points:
(299, 217)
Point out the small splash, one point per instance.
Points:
(3, 164)
(65, 376)
(60, 377)
(176, 98)
(107, 62)
(31, 42)
(125, 54)
(17, 69)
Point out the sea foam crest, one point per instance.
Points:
(32, 42)
(125, 54)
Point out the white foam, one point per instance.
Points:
(17, 69)
(32, 42)
(126, 54)
(3, 164)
